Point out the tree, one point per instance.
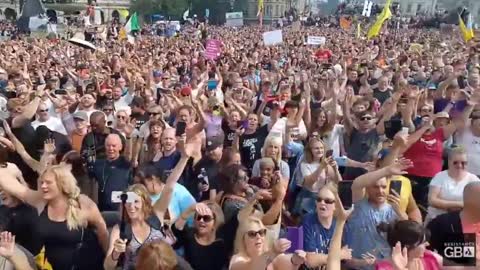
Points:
(172, 8)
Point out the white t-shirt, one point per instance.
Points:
(53, 123)
(450, 190)
(307, 169)
(472, 146)
(333, 139)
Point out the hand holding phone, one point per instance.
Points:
(395, 185)
(180, 128)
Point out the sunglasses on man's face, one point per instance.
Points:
(325, 200)
(253, 234)
(206, 218)
(43, 110)
(153, 113)
(366, 118)
(107, 110)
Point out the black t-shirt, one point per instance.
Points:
(251, 146)
(382, 96)
(229, 135)
(211, 169)
(140, 119)
(21, 222)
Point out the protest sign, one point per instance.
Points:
(213, 49)
(316, 40)
(272, 37)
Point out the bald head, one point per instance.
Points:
(97, 122)
(113, 146)
(169, 141)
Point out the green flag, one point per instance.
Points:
(132, 24)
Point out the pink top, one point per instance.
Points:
(429, 263)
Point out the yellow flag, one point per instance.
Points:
(359, 30)
(260, 8)
(377, 26)
(122, 34)
(467, 34)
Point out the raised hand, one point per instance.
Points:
(400, 166)
(340, 213)
(281, 245)
(7, 244)
(203, 210)
(49, 146)
(399, 257)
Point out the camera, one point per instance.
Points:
(124, 197)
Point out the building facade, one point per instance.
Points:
(274, 9)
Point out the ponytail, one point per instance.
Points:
(75, 220)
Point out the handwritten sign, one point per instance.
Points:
(213, 49)
(272, 37)
(316, 40)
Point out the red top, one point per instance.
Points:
(429, 263)
(426, 154)
(323, 54)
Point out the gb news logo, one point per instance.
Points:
(460, 251)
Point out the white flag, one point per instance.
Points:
(367, 8)
(185, 15)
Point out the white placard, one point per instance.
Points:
(316, 40)
(273, 37)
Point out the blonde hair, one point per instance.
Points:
(308, 156)
(456, 150)
(142, 192)
(67, 184)
(217, 213)
(243, 228)
(273, 140)
(156, 255)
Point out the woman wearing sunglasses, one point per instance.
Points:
(205, 248)
(318, 229)
(446, 189)
(252, 249)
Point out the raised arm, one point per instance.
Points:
(10, 184)
(12, 253)
(31, 162)
(161, 206)
(29, 110)
(370, 178)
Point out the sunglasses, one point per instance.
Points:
(153, 113)
(121, 117)
(204, 218)
(42, 110)
(107, 110)
(253, 234)
(463, 163)
(366, 118)
(325, 200)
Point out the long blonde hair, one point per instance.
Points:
(142, 192)
(273, 140)
(243, 228)
(67, 184)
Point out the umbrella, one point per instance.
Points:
(79, 40)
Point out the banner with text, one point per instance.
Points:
(213, 49)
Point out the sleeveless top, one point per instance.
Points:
(64, 248)
(134, 247)
(429, 263)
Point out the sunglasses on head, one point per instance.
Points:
(253, 234)
(325, 200)
(204, 218)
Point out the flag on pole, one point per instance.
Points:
(260, 12)
(466, 30)
(185, 14)
(132, 24)
(345, 23)
(377, 26)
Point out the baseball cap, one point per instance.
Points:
(186, 91)
(81, 115)
(215, 141)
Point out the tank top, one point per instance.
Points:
(65, 248)
(134, 247)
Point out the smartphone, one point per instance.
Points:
(180, 129)
(341, 161)
(461, 82)
(60, 92)
(345, 193)
(212, 84)
(395, 185)
(242, 124)
(119, 196)
(329, 153)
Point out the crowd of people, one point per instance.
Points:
(356, 154)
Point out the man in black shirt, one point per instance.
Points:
(138, 112)
(206, 170)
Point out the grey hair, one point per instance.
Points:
(456, 150)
